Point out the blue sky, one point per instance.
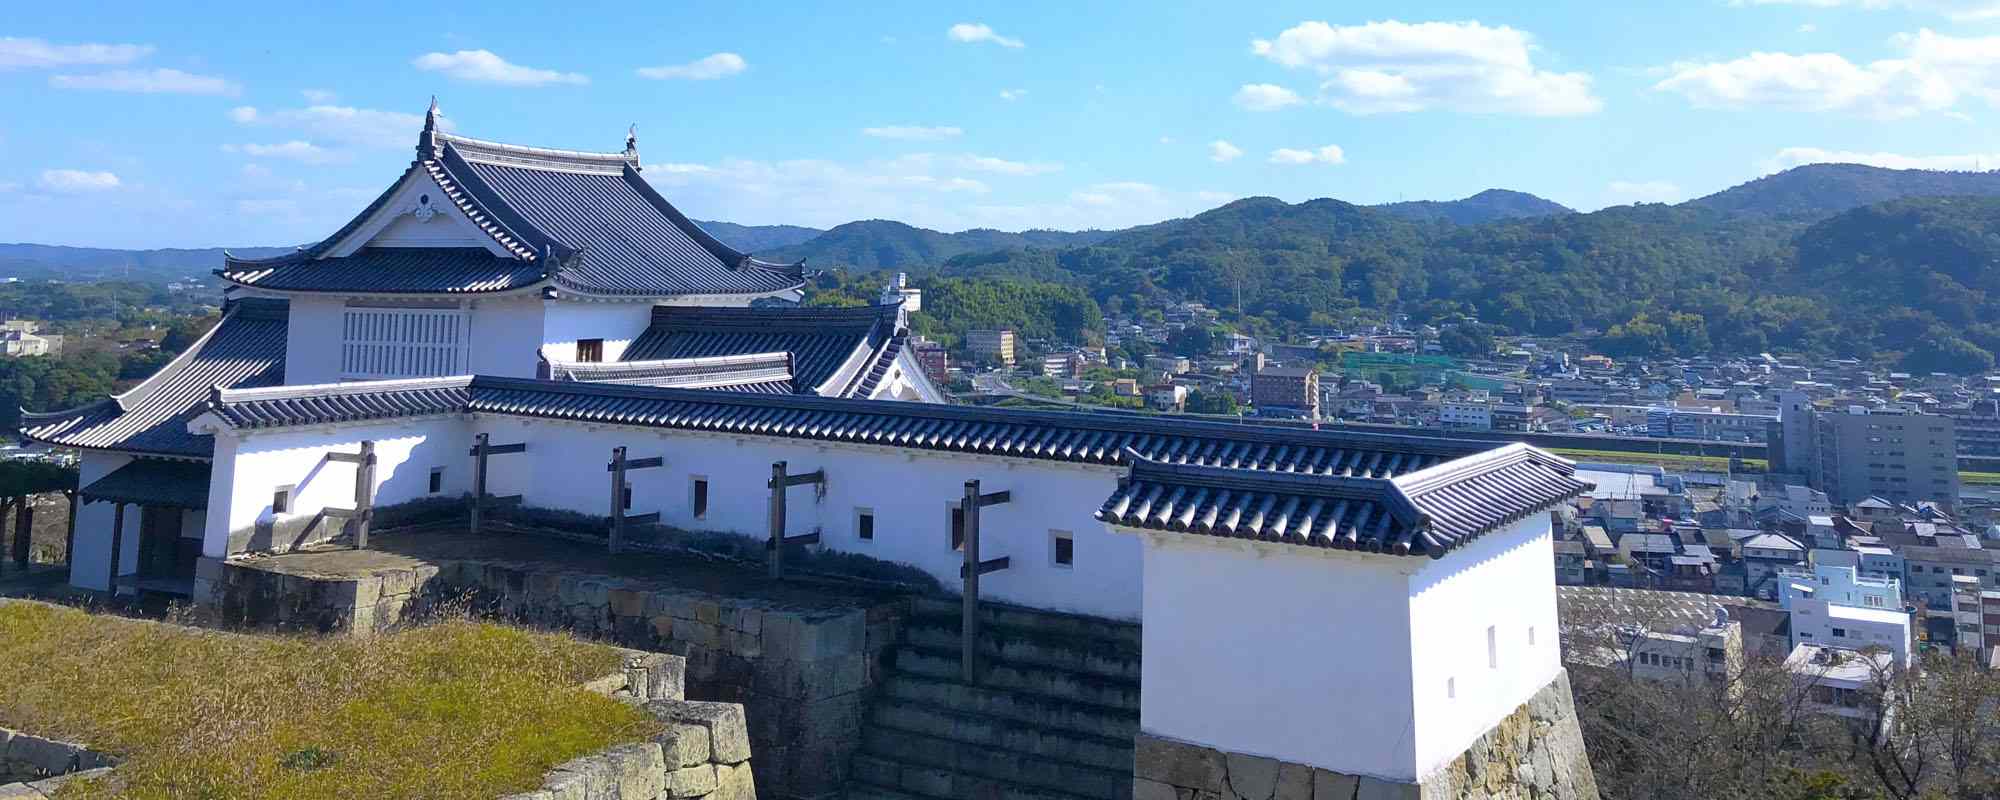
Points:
(155, 125)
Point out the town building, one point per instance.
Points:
(1841, 681)
(1858, 452)
(1286, 391)
(990, 346)
(933, 359)
(1466, 414)
(23, 337)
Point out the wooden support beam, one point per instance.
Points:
(499, 449)
(641, 463)
(988, 566)
(69, 534)
(803, 478)
(364, 494)
(117, 544)
(24, 530)
(968, 646)
(777, 519)
(995, 498)
(616, 539)
(480, 450)
(647, 518)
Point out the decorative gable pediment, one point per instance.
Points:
(417, 215)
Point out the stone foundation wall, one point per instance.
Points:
(802, 674)
(32, 767)
(1536, 753)
(703, 753)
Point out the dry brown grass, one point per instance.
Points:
(454, 709)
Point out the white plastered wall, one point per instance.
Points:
(1504, 580)
(564, 322)
(90, 564)
(1364, 664)
(503, 336)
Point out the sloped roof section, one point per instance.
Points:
(763, 373)
(394, 270)
(585, 222)
(1424, 512)
(1076, 437)
(836, 352)
(245, 349)
(153, 482)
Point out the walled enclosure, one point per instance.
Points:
(801, 673)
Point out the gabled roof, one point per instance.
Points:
(153, 482)
(586, 222)
(1425, 512)
(836, 352)
(1077, 437)
(247, 348)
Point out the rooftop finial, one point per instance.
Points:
(632, 144)
(427, 141)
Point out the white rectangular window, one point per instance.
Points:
(281, 500)
(864, 524)
(1062, 549)
(1492, 647)
(403, 343)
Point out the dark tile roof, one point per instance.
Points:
(625, 238)
(586, 222)
(395, 270)
(246, 349)
(1080, 437)
(153, 482)
(1422, 512)
(765, 373)
(835, 351)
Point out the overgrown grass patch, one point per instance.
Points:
(454, 709)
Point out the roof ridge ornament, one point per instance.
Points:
(632, 144)
(427, 144)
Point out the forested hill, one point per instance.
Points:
(1907, 279)
(885, 244)
(98, 263)
(1820, 190)
(758, 238)
(1486, 206)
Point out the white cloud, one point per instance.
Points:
(1935, 73)
(76, 181)
(1222, 152)
(295, 150)
(707, 68)
(19, 53)
(1002, 166)
(1330, 154)
(1393, 66)
(149, 81)
(319, 97)
(1796, 156)
(359, 127)
(926, 191)
(1265, 97)
(1646, 191)
(1956, 10)
(1807, 27)
(484, 66)
(1013, 94)
(980, 32)
(913, 132)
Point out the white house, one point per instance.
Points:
(1368, 604)
(484, 258)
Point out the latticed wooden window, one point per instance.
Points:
(403, 343)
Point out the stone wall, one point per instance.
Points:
(703, 752)
(802, 673)
(1536, 753)
(36, 766)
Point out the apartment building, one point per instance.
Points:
(1900, 457)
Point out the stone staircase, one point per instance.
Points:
(1053, 718)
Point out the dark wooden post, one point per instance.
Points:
(24, 530)
(969, 612)
(479, 448)
(69, 534)
(117, 544)
(7, 546)
(364, 494)
(777, 545)
(617, 537)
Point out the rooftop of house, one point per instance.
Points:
(577, 221)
